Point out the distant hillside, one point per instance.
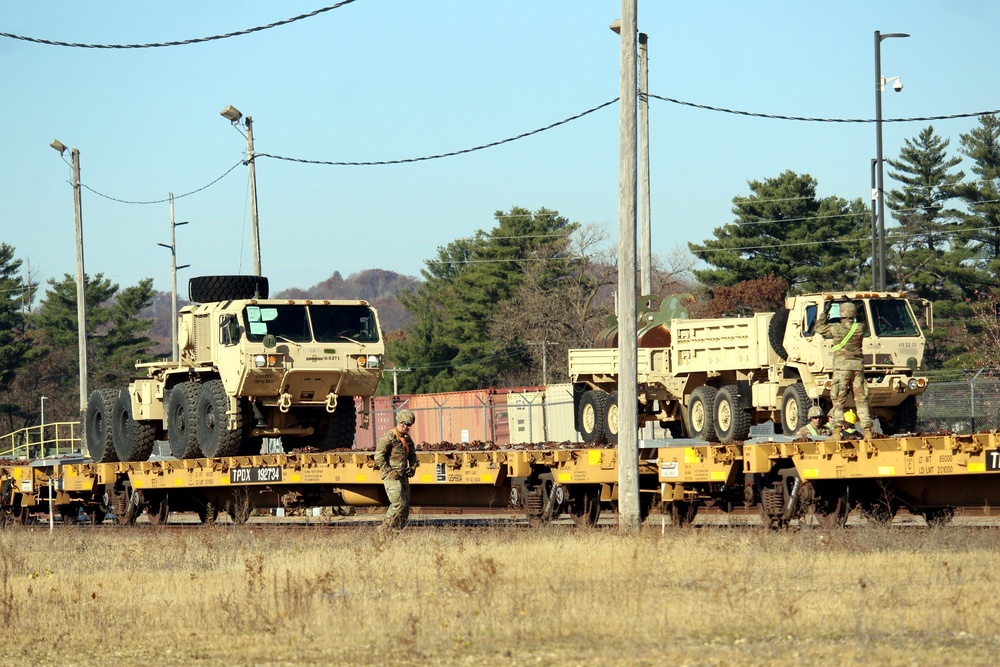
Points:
(375, 286)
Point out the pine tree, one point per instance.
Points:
(15, 346)
(981, 226)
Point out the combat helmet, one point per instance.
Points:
(405, 417)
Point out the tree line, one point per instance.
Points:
(501, 307)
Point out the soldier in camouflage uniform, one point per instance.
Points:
(815, 426)
(397, 461)
(848, 366)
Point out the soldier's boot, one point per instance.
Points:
(868, 433)
(834, 433)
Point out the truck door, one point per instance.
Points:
(809, 347)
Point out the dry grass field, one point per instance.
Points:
(261, 595)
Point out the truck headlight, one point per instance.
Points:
(370, 361)
(260, 361)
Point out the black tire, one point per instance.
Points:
(337, 430)
(209, 289)
(903, 419)
(732, 422)
(795, 404)
(133, 439)
(591, 417)
(611, 425)
(701, 414)
(214, 435)
(100, 441)
(157, 507)
(182, 429)
(776, 332)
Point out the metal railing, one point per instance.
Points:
(34, 442)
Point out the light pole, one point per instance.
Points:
(233, 115)
(880, 82)
(173, 278)
(81, 304)
(645, 236)
(42, 429)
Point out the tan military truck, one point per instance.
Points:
(249, 367)
(713, 379)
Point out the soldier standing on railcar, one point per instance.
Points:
(848, 366)
(397, 460)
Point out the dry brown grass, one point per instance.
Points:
(314, 596)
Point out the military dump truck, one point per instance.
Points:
(713, 379)
(249, 367)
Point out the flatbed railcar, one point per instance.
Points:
(786, 480)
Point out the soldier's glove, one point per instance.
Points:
(411, 472)
(396, 475)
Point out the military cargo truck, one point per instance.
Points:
(714, 378)
(249, 367)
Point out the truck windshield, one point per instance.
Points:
(329, 323)
(891, 318)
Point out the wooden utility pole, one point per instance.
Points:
(395, 377)
(628, 418)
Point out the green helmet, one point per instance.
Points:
(815, 411)
(405, 417)
(847, 310)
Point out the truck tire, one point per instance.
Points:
(611, 424)
(212, 422)
(795, 404)
(100, 441)
(732, 422)
(209, 289)
(133, 438)
(338, 431)
(591, 417)
(701, 414)
(903, 418)
(182, 429)
(776, 332)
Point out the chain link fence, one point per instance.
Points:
(965, 406)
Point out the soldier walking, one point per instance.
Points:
(848, 366)
(397, 461)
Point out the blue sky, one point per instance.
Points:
(394, 79)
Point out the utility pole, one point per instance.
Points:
(173, 279)
(545, 373)
(395, 376)
(255, 230)
(628, 450)
(646, 255)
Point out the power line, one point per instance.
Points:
(161, 201)
(184, 42)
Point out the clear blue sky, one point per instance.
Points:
(394, 79)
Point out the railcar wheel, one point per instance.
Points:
(732, 422)
(831, 507)
(591, 418)
(157, 507)
(182, 429)
(214, 434)
(133, 438)
(701, 411)
(585, 507)
(100, 439)
(939, 516)
(795, 404)
(682, 513)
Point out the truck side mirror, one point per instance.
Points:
(928, 314)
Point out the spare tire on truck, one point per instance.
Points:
(211, 289)
(776, 332)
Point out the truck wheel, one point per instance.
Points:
(182, 431)
(795, 404)
(340, 427)
(701, 412)
(209, 289)
(903, 418)
(776, 331)
(732, 422)
(591, 418)
(100, 441)
(611, 418)
(212, 423)
(133, 439)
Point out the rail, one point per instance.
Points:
(35, 442)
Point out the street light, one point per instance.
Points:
(81, 305)
(880, 82)
(173, 279)
(42, 429)
(646, 252)
(233, 115)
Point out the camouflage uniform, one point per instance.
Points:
(848, 366)
(809, 429)
(397, 461)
